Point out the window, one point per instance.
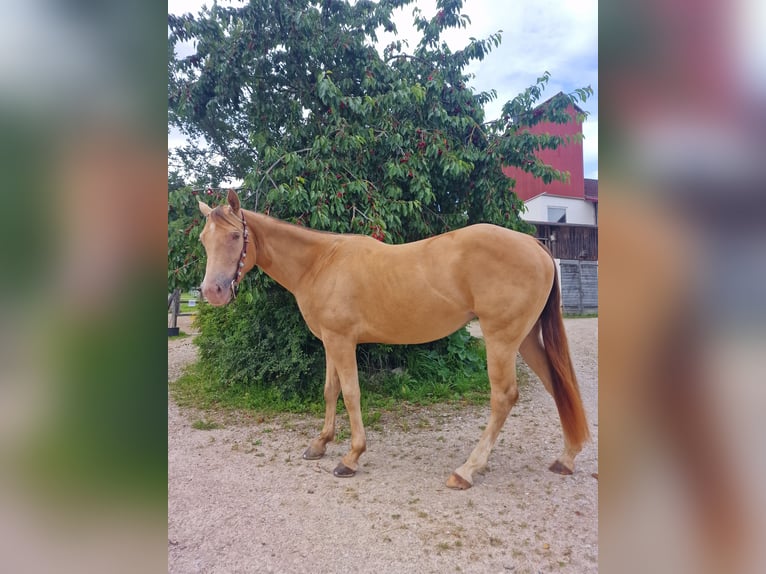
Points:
(557, 214)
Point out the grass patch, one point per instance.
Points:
(185, 308)
(197, 388)
(387, 391)
(578, 316)
(202, 424)
(383, 393)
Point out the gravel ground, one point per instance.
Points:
(241, 498)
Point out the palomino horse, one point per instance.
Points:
(353, 289)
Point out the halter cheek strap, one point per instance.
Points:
(241, 263)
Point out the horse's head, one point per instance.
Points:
(229, 247)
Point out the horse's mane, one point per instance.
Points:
(222, 213)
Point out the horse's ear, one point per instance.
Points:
(205, 208)
(233, 199)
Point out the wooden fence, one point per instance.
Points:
(568, 240)
(579, 286)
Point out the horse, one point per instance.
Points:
(354, 289)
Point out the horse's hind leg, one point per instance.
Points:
(533, 353)
(318, 446)
(501, 366)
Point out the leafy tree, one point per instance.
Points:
(293, 99)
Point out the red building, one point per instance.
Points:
(567, 158)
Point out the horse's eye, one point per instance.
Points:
(236, 235)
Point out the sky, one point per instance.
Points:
(558, 36)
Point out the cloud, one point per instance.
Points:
(542, 35)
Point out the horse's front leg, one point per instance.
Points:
(342, 353)
(317, 447)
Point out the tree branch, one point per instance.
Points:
(273, 165)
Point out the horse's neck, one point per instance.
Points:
(284, 252)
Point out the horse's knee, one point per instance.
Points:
(506, 398)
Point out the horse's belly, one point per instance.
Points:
(386, 308)
(403, 328)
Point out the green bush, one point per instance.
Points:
(450, 368)
(261, 340)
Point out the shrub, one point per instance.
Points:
(261, 340)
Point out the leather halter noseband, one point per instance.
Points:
(241, 263)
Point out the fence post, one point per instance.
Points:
(579, 287)
(175, 307)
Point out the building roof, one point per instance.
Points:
(556, 97)
(556, 195)
(591, 190)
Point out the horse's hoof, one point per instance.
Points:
(559, 468)
(311, 454)
(342, 471)
(458, 482)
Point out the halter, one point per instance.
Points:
(241, 264)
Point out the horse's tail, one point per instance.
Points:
(566, 393)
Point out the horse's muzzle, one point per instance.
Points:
(217, 293)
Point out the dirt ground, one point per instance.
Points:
(241, 498)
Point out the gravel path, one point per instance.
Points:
(241, 498)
